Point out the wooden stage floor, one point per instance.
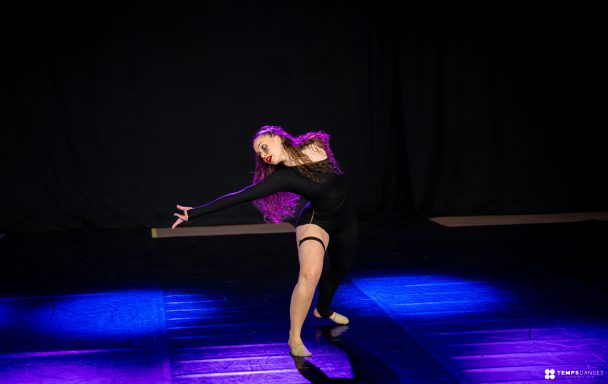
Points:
(427, 303)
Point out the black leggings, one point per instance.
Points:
(341, 225)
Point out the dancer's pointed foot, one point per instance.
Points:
(335, 317)
(298, 350)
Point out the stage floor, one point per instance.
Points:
(427, 304)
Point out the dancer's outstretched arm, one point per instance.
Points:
(273, 183)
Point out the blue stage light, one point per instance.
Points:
(427, 296)
(106, 315)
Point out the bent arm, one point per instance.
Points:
(271, 184)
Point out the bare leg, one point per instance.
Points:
(310, 254)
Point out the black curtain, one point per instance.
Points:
(114, 113)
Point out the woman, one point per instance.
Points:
(287, 168)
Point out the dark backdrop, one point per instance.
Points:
(113, 113)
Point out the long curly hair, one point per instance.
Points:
(281, 205)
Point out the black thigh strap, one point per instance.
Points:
(312, 238)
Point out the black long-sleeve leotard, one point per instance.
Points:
(329, 206)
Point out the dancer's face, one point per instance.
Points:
(269, 148)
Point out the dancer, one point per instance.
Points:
(287, 168)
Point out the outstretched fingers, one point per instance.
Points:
(181, 218)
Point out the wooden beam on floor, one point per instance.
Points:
(473, 221)
(219, 230)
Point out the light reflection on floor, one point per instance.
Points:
(478, 331)
(108, 337)
(486, 334)
(241, 344)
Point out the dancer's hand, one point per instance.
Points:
(181, 218)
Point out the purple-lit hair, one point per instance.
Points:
(281, 205)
